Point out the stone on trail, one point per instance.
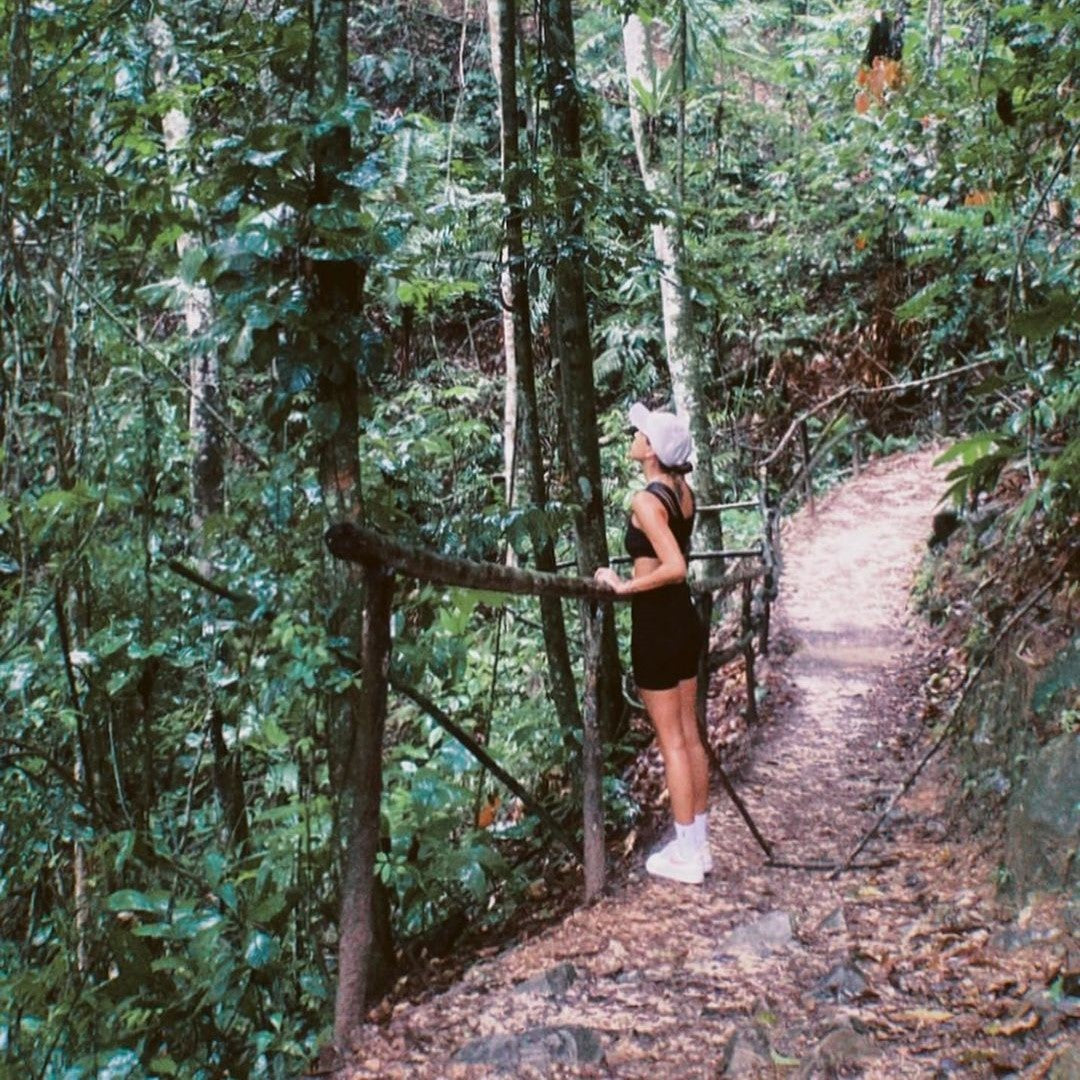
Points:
(771, 933)
(746, 1053)
(842, 1048)
(1066, 1064)
(553, 983)
(844, 982)
(539, 1048)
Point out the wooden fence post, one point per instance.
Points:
(705, 610)
(592, 757)
(768, 558)
(808, 483)
(748, 652)
(361, 796)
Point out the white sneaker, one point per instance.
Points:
(705, 856)
(669, 863)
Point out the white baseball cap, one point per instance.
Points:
(668, 435)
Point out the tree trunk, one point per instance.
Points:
(361, 796)
(935, 19)
(208, 459)
(364, 946)
(338, 283)
(208, 456)
(570, 333)
(517, 328)
(685, 361)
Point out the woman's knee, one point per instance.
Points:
(671, 741)
(688, 727)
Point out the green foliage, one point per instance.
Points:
(131, 694)
(982, 458)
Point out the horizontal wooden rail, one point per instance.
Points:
(745, 504)
(697, 556)
(359, 544)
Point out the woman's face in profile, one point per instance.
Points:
(639, 446)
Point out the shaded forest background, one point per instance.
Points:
(250, 285)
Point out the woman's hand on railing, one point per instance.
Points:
(606, 576)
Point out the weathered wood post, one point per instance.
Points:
(592, 756)
(361, 795)
(808, 483)
(768, 558)
(747, 632)
(373, 549)
(705, 610)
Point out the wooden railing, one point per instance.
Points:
(783, 475)
(372, 549)
(794, 457)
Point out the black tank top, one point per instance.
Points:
(638, 545)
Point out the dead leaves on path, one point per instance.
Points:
(961, 980)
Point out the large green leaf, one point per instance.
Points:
(1061, 310)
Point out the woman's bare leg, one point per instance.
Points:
(697, 755)
(665, 711)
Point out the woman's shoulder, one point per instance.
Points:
(672, 498)
(647, 497)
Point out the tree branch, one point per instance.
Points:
(447, 724)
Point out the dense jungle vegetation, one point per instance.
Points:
(252, 283)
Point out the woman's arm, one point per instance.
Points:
(652, 519)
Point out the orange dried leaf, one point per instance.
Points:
(486, 817)
(924, 1016)
(1009, 1028)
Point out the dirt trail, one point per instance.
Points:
(843, 603)
(863, 985)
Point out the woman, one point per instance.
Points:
(666, 638)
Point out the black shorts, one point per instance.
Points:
(666, 637)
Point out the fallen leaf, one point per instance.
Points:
(924, 1016)
(1008, 1028)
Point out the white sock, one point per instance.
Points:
(701, 829)
(685, 841)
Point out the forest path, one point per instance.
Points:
(762, 971)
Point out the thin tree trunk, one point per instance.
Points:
(361, 794)
(208, 461)
(935, 19)
(685, 360)
(570, 333)
(502, 21)
(364, 946)
(510, 391)
(208, 456)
